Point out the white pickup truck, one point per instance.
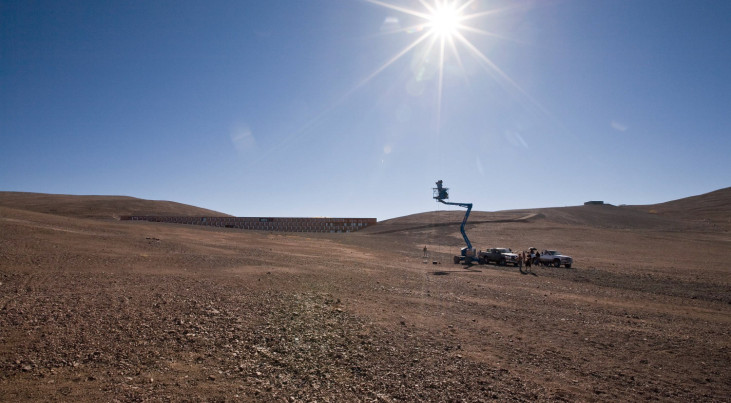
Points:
(555, 258)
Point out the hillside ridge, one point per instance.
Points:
(691, 213)
(93, 206)
(713, 208)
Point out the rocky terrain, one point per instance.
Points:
(95, 309)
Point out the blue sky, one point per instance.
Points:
(301, 107)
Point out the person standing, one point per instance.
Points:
(426, 254)
(520, 261)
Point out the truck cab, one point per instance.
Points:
(555, 258)
(499, 256)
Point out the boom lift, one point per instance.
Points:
(468, 254)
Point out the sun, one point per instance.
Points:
(444, 20)
(441, 32)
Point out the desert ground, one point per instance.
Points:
(97, 309)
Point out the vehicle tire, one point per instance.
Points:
(557, 263)
(568, 266)
(502, 262)
(456, 260)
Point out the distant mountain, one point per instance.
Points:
(98, 206)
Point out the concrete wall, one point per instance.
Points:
(287, 224)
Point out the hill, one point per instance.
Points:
(712, 207)
(691, 213)
(98, 206)
(696, 213)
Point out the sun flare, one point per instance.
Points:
(444, 20)
(441, 32)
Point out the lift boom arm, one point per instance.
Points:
(468, 206)
(441, 193)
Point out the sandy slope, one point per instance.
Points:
(96, 309)
(713, 208)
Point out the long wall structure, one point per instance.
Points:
(286, 224)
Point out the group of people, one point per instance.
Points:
(529, 258)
